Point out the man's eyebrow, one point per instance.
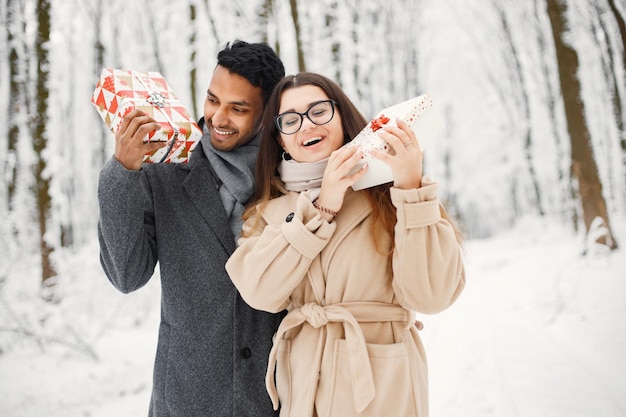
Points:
(242, 103)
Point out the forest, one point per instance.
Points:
(533, 95)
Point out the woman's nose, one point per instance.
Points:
(306, 123)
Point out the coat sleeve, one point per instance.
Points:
(126, 230)
(267, 266)
(428, 270)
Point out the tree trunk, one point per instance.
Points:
(520, 81)
(331, 26)
(154, 34)
(193, 76)
(15, 99)
(602, 37)
(567, 195)
(264, 15)
(98, 65)
(40, 141)
(212, 25)
(583, 162)
(296, 25)
(620, 112)
(622, 27)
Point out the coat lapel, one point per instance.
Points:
(201, 187)
(355, 209)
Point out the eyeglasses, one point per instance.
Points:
(320, 113)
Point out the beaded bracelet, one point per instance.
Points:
(324, 209)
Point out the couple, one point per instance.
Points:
(333, 273)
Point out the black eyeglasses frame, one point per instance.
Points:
(277, 118)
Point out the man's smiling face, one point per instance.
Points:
(232, 109)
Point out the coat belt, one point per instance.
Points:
(349, 314)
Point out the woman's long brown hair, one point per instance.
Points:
(267, 182)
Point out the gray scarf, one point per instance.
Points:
(235, 170)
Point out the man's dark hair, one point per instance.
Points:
(257, 62)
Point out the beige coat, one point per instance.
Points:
(349, 345)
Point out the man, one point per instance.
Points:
(212, 350)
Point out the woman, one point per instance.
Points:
(351, 267)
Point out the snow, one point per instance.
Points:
(538, 331)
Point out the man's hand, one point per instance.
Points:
(130, 147)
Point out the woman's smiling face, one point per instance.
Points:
(311, 143)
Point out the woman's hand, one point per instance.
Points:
(407, 157)
(337, 177)
(130, 147)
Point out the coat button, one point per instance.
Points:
(289, 217)
(245, 353)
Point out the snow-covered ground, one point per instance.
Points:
(540, 331)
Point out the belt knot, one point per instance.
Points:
(315, 314)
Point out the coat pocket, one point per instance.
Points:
(284, 377)
(393, 382)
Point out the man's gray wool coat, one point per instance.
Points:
(212, 349)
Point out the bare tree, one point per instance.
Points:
(519, 81)
(567, 193)
(264, 13)
(602, 37)
(209, 15)
(95, 11)
(411, 69)
(296, 25)
(193, 46)
(513, 97)
(583, 162)
(331, 23)
(154, 34)
(618, 104)
(267, 12)
(40, 140)
(621, 25)
(16, 96)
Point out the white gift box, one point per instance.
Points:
(418, 113)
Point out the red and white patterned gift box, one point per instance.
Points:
(420, 115)
(119, 91)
